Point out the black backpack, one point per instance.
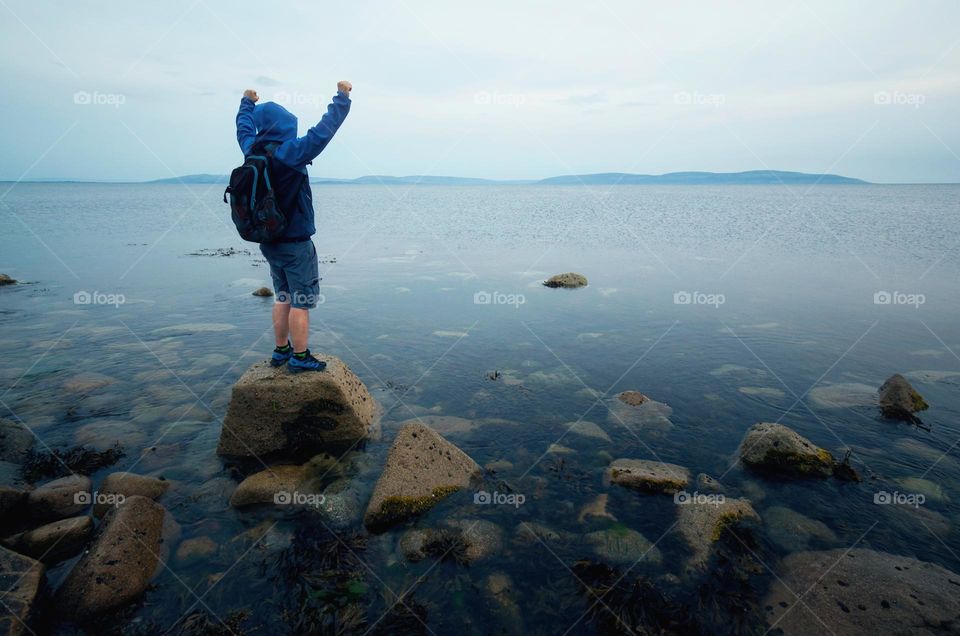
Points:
(255, 206)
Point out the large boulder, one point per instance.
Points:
(273, 411)
(701, 523)
(778, 449)
(422, 469)
(60, 498)
(119, 565)
(648, 475)
(54, 542)
(570, 280)
(15, 440)
(862, 592)
(117, 486)
(899, 400)
(20, 580)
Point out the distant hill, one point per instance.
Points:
(751, 177)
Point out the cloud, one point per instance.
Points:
(263, 80)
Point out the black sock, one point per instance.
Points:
(284, 349)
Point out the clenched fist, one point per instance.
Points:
(252, 94)
(344, 86)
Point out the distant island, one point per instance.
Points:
(750, 177)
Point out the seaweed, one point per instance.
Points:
(38, 465)
(447, 544)
(403, 619)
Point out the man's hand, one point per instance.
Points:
(252, 94)
(344, 86)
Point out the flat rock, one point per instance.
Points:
(701, 524)
(264, 486)
(274, 411)
(639, 415)
(648, 475)
(60, 498)
(778, 449)
(55, 541)
(127, 485)
(587, 429)
(422, 468)
(899, 400)
(119, 565)
(569, 280)
(191, 550)
(20, 581)
(15, 440)
(621, 545)
(862, 591)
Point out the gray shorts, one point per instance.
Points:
(296, 276)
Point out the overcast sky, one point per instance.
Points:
(513, 89)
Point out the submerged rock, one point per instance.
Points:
(422, 468)
(587, 429)
(862, 591)
(701, 524)
(899, 400)
(707, 484)
(60, 498)
(20, 580)
(781, 450)
(264, 292)
(55, 541)
(596, 508)
(569, 280)
(637, 413)
(648, 475)
(475, 539)
(620, 545)
(274, 411)
(6, 280)
(632, 398)
(793, 531)
(119, 565)
(500, 590)
(121, 485)
(194, 549)
(15, 440)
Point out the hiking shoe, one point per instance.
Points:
(306, 363)
(280, 355)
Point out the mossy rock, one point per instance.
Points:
(569, 280)
(778, 449)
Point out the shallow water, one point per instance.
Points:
(782, 326)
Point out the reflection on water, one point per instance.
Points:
(415, 301)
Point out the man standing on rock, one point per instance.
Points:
(292, 259)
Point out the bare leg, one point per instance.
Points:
(299, 328)
(281, 323)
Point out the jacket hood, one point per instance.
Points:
(274, 122)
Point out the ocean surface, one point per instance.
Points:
(732, 304)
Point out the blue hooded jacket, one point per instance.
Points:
(272, 122)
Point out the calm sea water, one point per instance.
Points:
(733, 305)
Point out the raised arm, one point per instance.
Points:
(246, 129)
(300, 152)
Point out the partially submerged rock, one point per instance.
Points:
(638, 413)
(793, 531)
(422, 468)
(117, 486)
(20, 580)
(899, 400)
(55, 541)
(570, 280)
(264, 292)
(620, 545)
(587, 429)
(701, 524)
(6, 280)
(778, 449)
(15, 440)
(268, 485)
(632, 398)
(119, 565)
(648, 475)
(273, 411)
(194, 549)
(60, 498)
(862, 591)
